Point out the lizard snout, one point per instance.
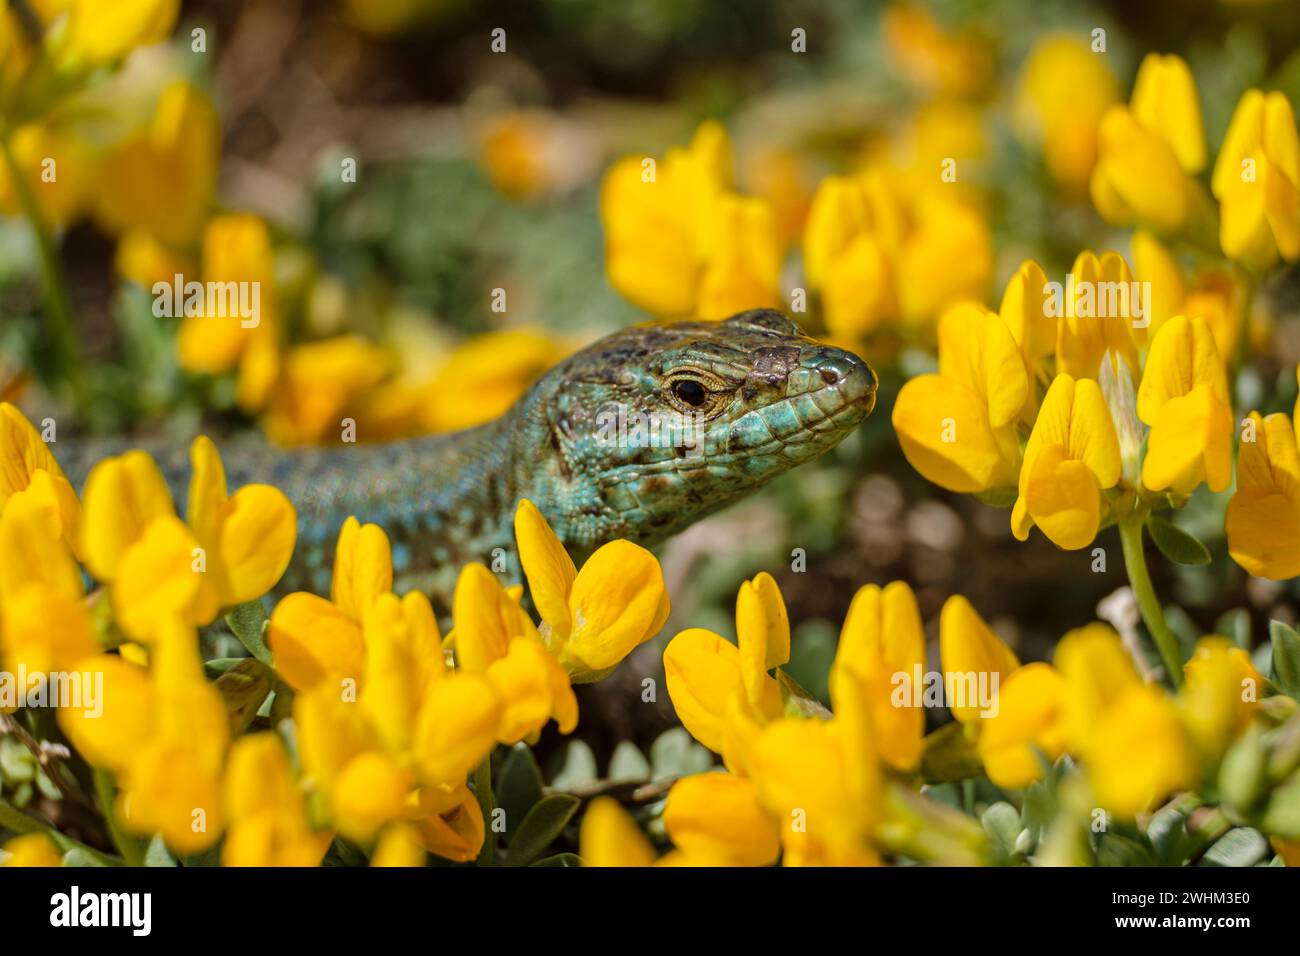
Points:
(824, 367)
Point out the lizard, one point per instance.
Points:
(637, 436)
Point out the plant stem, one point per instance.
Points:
(58, 309)
(127, 845)
(487, 803)
(1153, 615)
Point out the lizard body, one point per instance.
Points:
(637, 436)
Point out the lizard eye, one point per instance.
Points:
(690, 392)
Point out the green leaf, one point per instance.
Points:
(1282, 814)
(243, 688)
(628, 764)
(579, 767)
(1243, 770)
(797, 701)
(1116, 849)
(518, 785)
(281, 704)
(1241, 846)
(559, 859)
(79, 857)
(1175, 543)
(248, 623)
(1286, 657)
(544, 823)
(1168, 836)
(1001, 821)
(219, 665)
(1236, 625)
(157, 854)
(676, 754)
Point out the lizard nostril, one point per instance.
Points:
(830, 376)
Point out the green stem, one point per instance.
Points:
(130, 848)
(58, 308)
(1153, 615)
(487, 803)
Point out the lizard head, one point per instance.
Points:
(660, 424)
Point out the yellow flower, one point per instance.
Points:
(235, 549)
(163, 734)
(1184, 398)
(882, 644)
(593, 618)
(744, 268)
(1028, 723)
(947, 257)
(1150, 149)
(32, 849)
(822, 781)
(1100, 320)
(451, 823)
(1063, 91)
(133, 540)
(722, 693)
(1024, 311)
(1263, 517)
(369, 774)
(1220, 695)
(517, 151)
(267, 822)
(1209, 294)
(400, 845)
(236, 249)
(145, 260)
(321, 383)
(957, 428)
(1139, 752)
(715, 819)
(401, 748)
(56, 171)
(783, 177)
(845, 257)
(1072, 457)
(495, 637)
(24, 457)
(403, 659)
(484, 376)
(678, 242)
(970, 655)
(44, 623)
(248, 537)
(165, 177)
(314, 639)
(933, 58)
(657, 220)
(609, 837)
(1097, 671)
(100, 33)
(1257, 181)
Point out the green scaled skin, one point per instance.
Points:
(637, 436)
